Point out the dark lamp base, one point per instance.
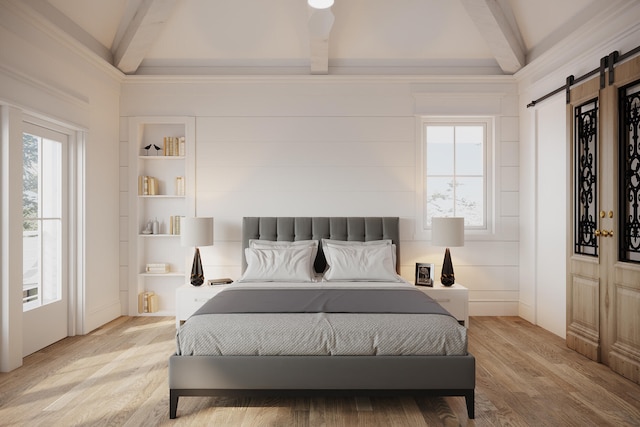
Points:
(447, 278)
(197, 274)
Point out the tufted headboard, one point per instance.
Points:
(360, 229)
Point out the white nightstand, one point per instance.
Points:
(191, 298)
(455, 299)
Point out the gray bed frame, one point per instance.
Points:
(313, 375)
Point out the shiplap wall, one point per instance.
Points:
(337, 146)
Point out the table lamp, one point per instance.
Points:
(447, 232)
(196, 232)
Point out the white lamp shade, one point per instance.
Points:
(196, 231)
(320, 4)
(447, 231)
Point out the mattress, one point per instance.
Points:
(318, 332)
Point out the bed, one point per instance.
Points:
(338, 358)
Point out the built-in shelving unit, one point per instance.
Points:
(160, 189)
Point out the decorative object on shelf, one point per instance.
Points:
(148, 229)
(151, 227)
(147, 149)
(447, 232)
(197, 231)
(157, 149)
(424, 274)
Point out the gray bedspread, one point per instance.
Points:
(401, 300)
(260, 321)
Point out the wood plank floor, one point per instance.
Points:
(117, 376)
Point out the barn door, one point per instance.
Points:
(603, 289)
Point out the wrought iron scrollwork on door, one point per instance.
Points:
(629, 167)
(586, 173)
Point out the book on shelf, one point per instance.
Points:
(181, 146)
(157, 268)
(174, 146)
(147, 302)
(147, 186)
(180, 186)
(174, 224)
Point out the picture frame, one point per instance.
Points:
(424, 274)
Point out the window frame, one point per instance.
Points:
(422, 229)
(51, 132)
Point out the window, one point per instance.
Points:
(455, 170)
(586, 184)
(42, 200)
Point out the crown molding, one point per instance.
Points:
(319, 79)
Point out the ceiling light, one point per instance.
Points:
(320, 4)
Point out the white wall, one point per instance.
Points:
(335, 146)
(544, 161)
(42, 72)
(551, 215)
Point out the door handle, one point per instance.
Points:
(603, 233)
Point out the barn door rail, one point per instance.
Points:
(606, 62)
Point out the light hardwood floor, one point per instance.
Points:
(117, 376)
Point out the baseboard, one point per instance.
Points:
(493, 308)
(527, 312)
(103, 314)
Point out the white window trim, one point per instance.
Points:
(75, 212)
(421, 230)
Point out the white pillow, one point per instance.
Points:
(278, 265)
(370, 263)
(384, 242)
(281, 244)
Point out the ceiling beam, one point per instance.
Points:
(502, 36)
(320, 23)
(141, 33)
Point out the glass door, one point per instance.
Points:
(44, 228)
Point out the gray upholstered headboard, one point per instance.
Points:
(360, 229)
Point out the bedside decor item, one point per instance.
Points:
(424, 274)
(447, 232)
(223, 281)
(197, 231)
